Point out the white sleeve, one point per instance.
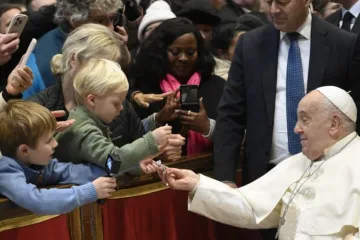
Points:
(219, 202)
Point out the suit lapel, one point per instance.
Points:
(319, 54)
(356, 27)
(268, 56)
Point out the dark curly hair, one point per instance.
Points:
(151, 64)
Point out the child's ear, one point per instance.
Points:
(91, 100)
(23, 150)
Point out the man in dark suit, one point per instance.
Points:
(273, 67)
(347, 17)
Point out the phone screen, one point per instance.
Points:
(109, 163)
(189, 96)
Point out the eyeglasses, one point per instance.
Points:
(113, 19)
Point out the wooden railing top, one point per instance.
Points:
(199, 163)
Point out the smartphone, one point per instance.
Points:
(118, 18)
(17, 24)
(112, 166)
(189, 98)
(28, 52)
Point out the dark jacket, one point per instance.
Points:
(248, 101)
(336, 17)
(125, 129)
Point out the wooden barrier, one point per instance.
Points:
(86, 222)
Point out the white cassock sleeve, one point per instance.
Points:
(219, 202)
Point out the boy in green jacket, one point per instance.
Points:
(100, 88)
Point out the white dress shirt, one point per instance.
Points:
(354, 10)
(279, 149)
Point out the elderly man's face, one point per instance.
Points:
(313, 126)
(288, 15)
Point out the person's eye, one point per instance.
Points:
(191, 52)
(282, 3)
(305, 120)
(174, 52)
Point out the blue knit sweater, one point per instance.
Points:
(18, 184)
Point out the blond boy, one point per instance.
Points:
(27, 145)
(100, 88)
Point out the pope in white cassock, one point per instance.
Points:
(312, 195)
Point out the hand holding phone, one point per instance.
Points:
(189, 98)
(104, 186)
(196, 121)
(17, 24)
(9, 43)
(112, 167)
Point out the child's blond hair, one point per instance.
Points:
(99, 77)
(23, 122)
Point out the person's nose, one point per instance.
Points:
(183, 57)
(274, 8)
(298, 129)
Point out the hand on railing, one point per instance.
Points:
(104, 186)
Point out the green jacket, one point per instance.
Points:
(88, 140)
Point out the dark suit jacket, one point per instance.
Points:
(335, 20)
(248, 100)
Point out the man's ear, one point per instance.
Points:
(23, 150)
(335, 124)
(308, 3)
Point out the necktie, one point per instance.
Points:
(346, 21)
(294, 91)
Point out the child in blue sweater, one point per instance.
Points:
(27, 145)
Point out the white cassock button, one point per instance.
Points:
(316, 175)
(309, 194)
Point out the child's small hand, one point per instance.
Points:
(148, 166)
(162, 135)
(104, 186)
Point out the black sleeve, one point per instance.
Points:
(132, 11)
(136, 127)
(354, 83)
(231, 120)
(211, 92)
(7, 97)
(127, 127)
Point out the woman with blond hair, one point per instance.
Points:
(95, 41)
(69, 16)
